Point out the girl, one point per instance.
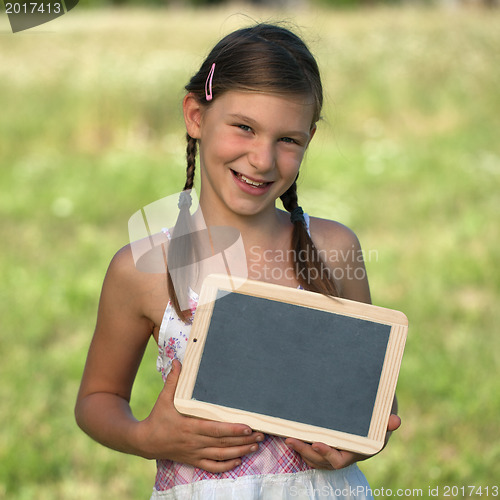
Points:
(252, 110)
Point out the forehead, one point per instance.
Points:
(264, 109)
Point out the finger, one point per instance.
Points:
(225, 454)
(308, 454)
(338, 459)
(172, 379)
(218, 467)
(208, 440)
(224, 431)
(296, 445)
(232, 441)
(394, 423)
(331, 455)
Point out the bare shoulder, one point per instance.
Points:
(122, 274)
(122, 264)
(134, 291)
(138, 264)
(332, 235)
(340, 250)
(123, 283)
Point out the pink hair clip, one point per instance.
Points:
(208, 83)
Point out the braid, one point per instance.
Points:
(289, 197)
(181, 244)
(191, 150)
(311, 272)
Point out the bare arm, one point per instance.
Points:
(120, 338)
(102, 408)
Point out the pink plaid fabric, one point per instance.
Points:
(273, 457)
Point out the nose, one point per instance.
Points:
(262, 156)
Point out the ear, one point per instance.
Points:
(193, 112)
(311, 134)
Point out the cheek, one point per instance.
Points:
(289, 172)
(290, 164)
(227, 149)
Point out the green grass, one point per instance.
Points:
(407, 155)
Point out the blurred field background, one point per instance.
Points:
(407, 155)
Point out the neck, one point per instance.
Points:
(263, 226)
(266, 235)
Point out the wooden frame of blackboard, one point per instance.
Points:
(371, 318)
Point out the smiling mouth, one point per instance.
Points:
(247, 180)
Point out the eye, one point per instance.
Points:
(245, 128)
(288, 140)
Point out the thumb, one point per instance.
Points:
(172, 379)
(394, 423)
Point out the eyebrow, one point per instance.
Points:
(253, 123)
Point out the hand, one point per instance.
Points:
(212, 446)
(322, 456)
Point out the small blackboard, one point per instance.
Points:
(292, 363)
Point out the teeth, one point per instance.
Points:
(249, 181)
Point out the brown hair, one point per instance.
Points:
(270, 59)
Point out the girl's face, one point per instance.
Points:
(251, 147)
